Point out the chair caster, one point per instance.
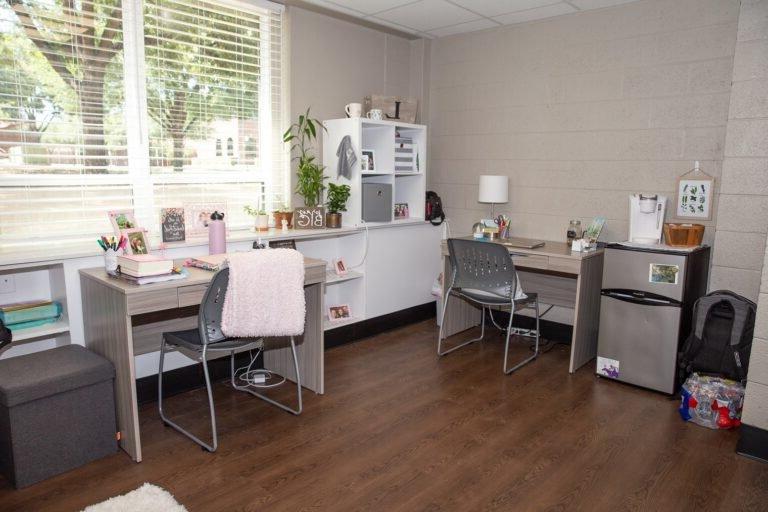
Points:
(165, 424)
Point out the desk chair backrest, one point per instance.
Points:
(484, 266)
(212, 307)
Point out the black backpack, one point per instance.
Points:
(434, 209)
(721, 336)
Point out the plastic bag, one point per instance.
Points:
(712, 402)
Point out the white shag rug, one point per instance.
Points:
(147, 498)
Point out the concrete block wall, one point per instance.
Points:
(582, 110)
(741, 253)
(742, 221)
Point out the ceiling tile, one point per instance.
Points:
(371, 6)
(470, 26)
(427, 15)
(497, 7)
(334, 7)
(597, 4)
(535, 14)
(389, 24)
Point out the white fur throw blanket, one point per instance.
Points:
(265, 296)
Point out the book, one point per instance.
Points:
(213, 262)
(170, 276)
(15, 306)
(140, 265)
(51, 310)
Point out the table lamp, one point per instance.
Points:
(494, 190)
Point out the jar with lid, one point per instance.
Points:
(574, 231)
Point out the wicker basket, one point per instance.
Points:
(683, 235)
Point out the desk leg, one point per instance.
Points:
(311, 349)
(108, 333)
(586, 319)
(460, 315)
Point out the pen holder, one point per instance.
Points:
(110, 261)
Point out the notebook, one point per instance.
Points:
(522, 243)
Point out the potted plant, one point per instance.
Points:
(309, 185)
(260, 217)
(337, 203)
(283, 214)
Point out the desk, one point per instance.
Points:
(561, 278)
(109, 306)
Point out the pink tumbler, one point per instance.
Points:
(217, 234)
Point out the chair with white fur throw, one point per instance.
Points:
(259, 294)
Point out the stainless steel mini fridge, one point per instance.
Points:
(645, 312)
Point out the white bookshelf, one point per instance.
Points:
(378, 136)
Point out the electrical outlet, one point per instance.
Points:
(7, 283)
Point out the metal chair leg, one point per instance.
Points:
(295, 411)
(209, 447)
(527, 360)
(440, 351)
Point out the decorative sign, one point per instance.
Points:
(694, 196)
(172, 224)
(309, 218)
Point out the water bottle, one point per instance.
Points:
(217, 234)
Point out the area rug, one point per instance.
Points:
(147, 498)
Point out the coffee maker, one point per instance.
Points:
(646, 218)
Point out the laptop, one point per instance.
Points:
(522, 243)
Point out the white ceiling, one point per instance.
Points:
(438, 18)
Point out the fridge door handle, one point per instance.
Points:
(640, 297)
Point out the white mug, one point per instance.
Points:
(354, 110)
(376, 114)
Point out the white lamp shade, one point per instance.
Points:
(493, 189)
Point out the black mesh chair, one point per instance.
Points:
(484, 274)
(209, 338)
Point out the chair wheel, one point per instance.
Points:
(165, 424)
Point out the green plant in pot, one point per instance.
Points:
(338, 195)
(302, 135)
(260, 217)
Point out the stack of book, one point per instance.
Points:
(23, 315)
(146, 269)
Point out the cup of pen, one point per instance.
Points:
(110, 247)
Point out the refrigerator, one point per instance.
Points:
(646, 309)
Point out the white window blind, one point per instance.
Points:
(205, 127)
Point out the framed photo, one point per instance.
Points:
(197, 216)
(172, 224)
(339, 312)
(366, 161)
(401, 211)
(339, 267)
(137, 241)
(694, 196)
(122, 220)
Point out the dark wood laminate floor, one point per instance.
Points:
(400, 429)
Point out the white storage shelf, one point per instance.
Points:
(380, 137)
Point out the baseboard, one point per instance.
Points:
(373, 326)
(190, 377)
(753, 443)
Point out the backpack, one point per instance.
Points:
(721, 336)
(434, 209)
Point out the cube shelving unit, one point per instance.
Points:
(379, 137)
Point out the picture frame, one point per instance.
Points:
(137, 241)
(367, 161)
(694, 198)
(339, 267)
(402, 211)
(339, 313)
(197, 216)
(122, 221)
(172, 225)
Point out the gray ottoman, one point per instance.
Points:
(57, 412)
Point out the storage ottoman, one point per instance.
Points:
(57, 412)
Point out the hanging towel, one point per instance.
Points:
(265, 296)
(347, 158)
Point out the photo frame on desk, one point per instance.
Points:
(137, 241)
(122, 221)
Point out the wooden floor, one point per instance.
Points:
(400, 429)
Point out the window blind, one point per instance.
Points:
(212, 107)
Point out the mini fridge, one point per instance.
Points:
(646, 311)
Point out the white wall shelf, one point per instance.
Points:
(332, 278)
(53, 329)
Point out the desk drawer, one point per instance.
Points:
(155, 300)
(567, 265)
(191, 295)
(530, 261)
